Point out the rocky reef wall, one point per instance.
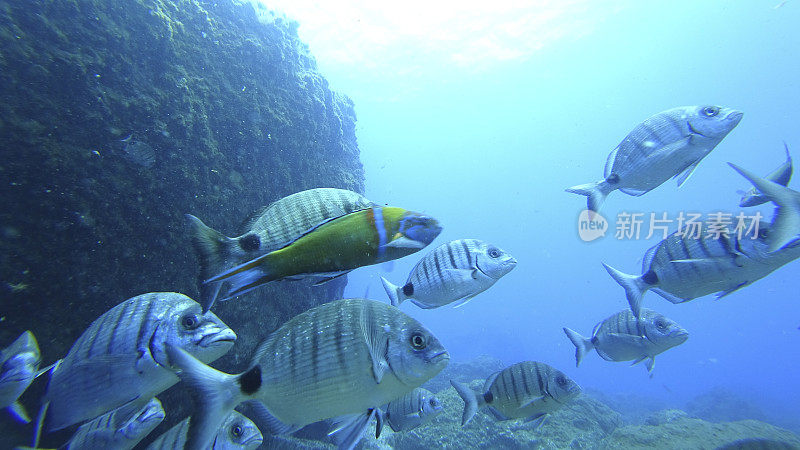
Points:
(116, 119)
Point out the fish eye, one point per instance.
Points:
(190, 321)
(433, 402)
(710, 111)
(561, 380)
(763, 233)
(236, 430)
(660, 324)
(494, 253)
(418, 341)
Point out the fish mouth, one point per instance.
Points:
(255, 439)
(438, 357)
(735, 116)
(225, 336)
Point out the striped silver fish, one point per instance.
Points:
(667, 145)
(455, 271)
(120, 358)
(236, 433)
(342, 359)
(624, 337)
(270, 228)
(120, 429)
(782, 175)
(683, 267)
(19, 366)
(416, 408)
(527, 390)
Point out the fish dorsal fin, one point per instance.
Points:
(610, 162)
(490, 381)
(377, 343)
(783, 174)
(686, 173)
(250, 221)
(597, 328)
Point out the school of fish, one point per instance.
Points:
(350, 361)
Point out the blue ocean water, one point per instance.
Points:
(488, 146)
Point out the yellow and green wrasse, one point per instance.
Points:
(337, 246)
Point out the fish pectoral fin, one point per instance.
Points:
(528, 401)
(347, 430)
(697, 261)
(651, 363)
(19, 413)
(612, 339)
(637, 361)
(404, 242)
(377, 344)
(687, 172)
(732, 290)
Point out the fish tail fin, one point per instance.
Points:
(582, 345)
(215, 252)
(395, 293)
(246, 277)
(216, 394)
(634, 287)
(786, 222)
(472, 401)
(596, 193)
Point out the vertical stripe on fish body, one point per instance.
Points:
(286, 219)
(412, 410)
(120, 357)
(457, 270)
(623, 337)
(120, 429)
(237, 432)
(322, 364)
(528, 389)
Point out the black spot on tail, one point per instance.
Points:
(650, 278)
(250, 381)
(488, 397)
(408, 290)
(612, 179)
(250, 243)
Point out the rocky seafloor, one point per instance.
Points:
(585, 423)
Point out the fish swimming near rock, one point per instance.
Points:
(121, 359)
(343, 359)
(782, 175)
(19, 366)
(786, 219)
(138, 152)
(237, 432)
(416, 408)
(688, 265)
(455, 271)
(337, 246)
(667, 145)
(268, 229)
(120, 429)
(526, 390)
(624, 337)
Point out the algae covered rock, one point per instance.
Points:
(696, 434)
(120, 117)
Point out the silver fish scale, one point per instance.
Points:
(407, 404)
(624, 322)
(519, 382)
(122, 337)
(288, 218)
(645, 139)
(321, 357)
(102, 432)
(428, 275)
